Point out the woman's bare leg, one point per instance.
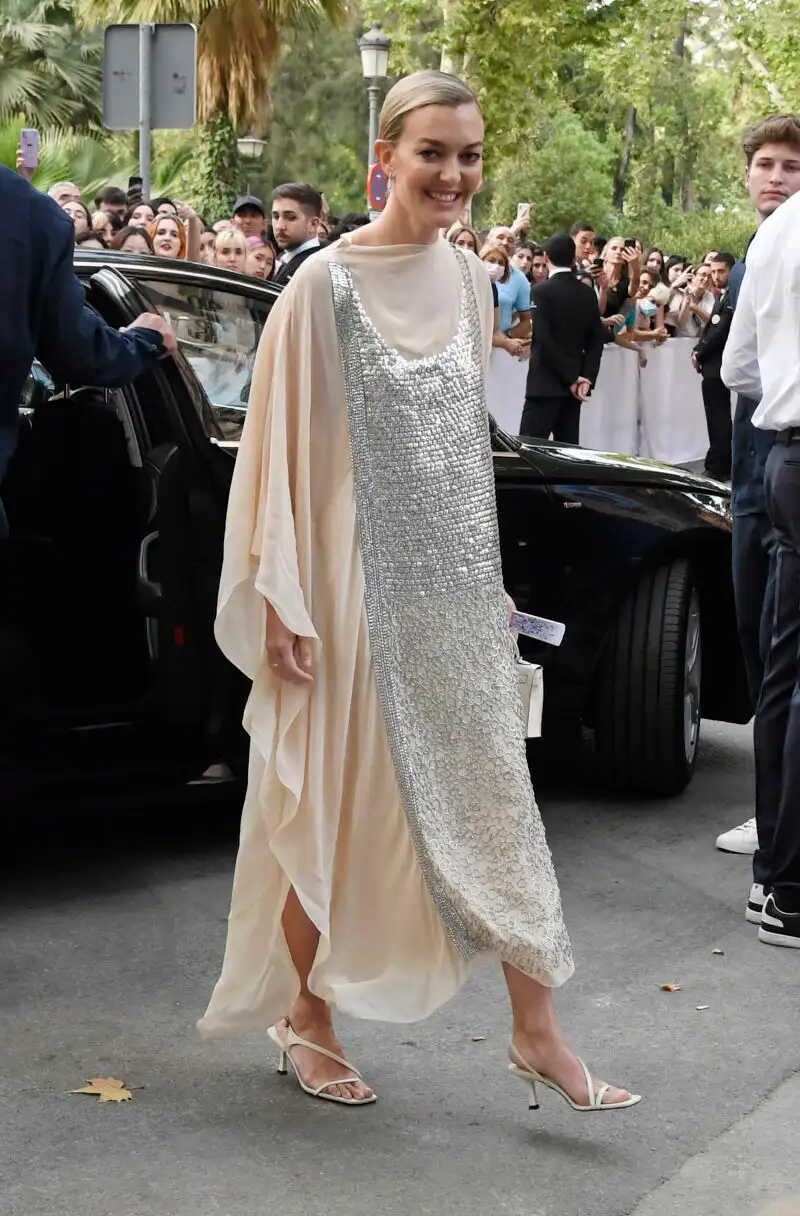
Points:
(539, 1039)
(310, 1016)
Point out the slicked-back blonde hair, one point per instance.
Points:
(429, 88)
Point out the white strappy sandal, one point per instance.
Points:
(520, 1068)
(289, 1040)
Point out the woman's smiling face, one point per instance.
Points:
(436, 166)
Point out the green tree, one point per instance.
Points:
(238, 47)
(563, 170)
(93, 160)
(49, 74)
(319, 122)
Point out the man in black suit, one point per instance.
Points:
(296, 215)
(568, 338)
(708, 360)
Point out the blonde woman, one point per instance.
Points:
(230, 250)
(390, 839)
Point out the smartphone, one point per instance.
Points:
(597, 263)
(630, 242)
(134, 181)
(29, 143)
(523, 211)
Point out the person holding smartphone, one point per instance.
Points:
(619, 279)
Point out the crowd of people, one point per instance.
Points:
(645, 296)
(251, 240)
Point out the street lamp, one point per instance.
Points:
(250, 148)
(374, 46)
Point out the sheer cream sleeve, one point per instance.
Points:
(268, 527)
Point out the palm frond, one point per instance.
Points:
(48, 74)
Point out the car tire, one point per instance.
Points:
(647, 722)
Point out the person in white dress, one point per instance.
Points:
(390, 837)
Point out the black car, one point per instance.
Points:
(116, 501)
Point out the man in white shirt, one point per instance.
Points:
(772, 157)
(762, 362)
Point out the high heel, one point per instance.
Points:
(522, 1069)
(289, 1040)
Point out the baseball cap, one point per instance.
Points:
(248, 200)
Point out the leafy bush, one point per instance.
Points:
(693, 233)
(564, 173)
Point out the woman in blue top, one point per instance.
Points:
(514, 338)
(513, 294)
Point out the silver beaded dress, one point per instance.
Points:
(394, 794)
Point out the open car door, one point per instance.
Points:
(188, 449)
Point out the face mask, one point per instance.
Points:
(495, 271)
(648, 308)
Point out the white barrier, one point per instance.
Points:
(610, 418)
(505, 389)
(672, 419)
(656, 411)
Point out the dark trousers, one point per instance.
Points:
(717, 402)
(556, 416)
(754, 588)
(777, 725)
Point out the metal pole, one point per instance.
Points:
(145, 51)
(374, 91)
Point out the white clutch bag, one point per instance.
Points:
(530, 678)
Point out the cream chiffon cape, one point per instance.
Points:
(323, 811)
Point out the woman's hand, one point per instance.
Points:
(659, 335)
(23, 172)
(289, 656)
(512, 607)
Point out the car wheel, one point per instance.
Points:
(647, 725)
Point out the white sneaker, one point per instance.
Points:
(743, 839)
(755, 904)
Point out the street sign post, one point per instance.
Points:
(149, 82)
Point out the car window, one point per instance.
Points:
(218, 332)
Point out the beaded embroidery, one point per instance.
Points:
(438, 626)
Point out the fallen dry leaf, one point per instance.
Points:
(670, 987)
(107, 1089)
(700, 1007)
(479, 1038)
(717, 951)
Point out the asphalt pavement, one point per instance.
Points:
(111, 934)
